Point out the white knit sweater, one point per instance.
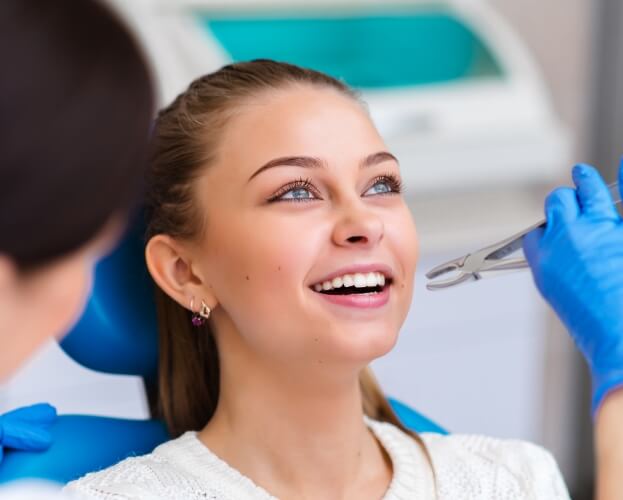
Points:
(466, 467)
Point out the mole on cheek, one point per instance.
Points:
(246, 278)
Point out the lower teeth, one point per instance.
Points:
(364, 291)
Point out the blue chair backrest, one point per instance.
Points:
(118, 334)
(120, 316)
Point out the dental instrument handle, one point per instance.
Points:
(516, 240)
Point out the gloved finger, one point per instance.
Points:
(26, 428)
(593, 193)
(531, 244)
(41, 413)
(27, 438)
(531, 249)
(561, 207)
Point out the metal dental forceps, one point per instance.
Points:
(490, 261)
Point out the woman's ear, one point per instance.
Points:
(169, 263)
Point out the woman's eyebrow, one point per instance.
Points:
(311, 162)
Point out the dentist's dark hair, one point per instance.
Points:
(76, 104)
(185, 143)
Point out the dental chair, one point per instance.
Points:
(117, 333)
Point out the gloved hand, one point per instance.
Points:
(577, 264)
(27, 428)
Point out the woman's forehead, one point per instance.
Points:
(296, 121)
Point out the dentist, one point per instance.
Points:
(76, 105)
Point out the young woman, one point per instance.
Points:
(76, 104)
(285, 257)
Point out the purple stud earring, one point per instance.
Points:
(197, 320)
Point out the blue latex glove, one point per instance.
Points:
(27, 428)
(577, 264)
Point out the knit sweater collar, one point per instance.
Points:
(411, 476)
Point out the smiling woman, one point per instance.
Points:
(285, 256)
(266, 191)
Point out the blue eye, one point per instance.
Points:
(300, 190)
(386, 184)
(380, 188)
(297, 194)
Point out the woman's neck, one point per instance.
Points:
(297, 438)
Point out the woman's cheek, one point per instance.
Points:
(411, 243)
(284, 255)
(402, 234)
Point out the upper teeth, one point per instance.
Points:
(358, 280)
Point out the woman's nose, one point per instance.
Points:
(358, 227)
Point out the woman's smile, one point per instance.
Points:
(359, 286)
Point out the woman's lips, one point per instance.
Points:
(361, 300)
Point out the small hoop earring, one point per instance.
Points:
(199, 317)
(205, 311)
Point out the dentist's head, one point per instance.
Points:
(275, 205)
(76, 102)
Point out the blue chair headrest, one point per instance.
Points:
(117, 333)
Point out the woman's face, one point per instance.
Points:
(303, 195)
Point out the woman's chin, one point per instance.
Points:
(364, 344)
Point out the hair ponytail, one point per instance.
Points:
(188, 375)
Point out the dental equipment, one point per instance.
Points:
(490, 260)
